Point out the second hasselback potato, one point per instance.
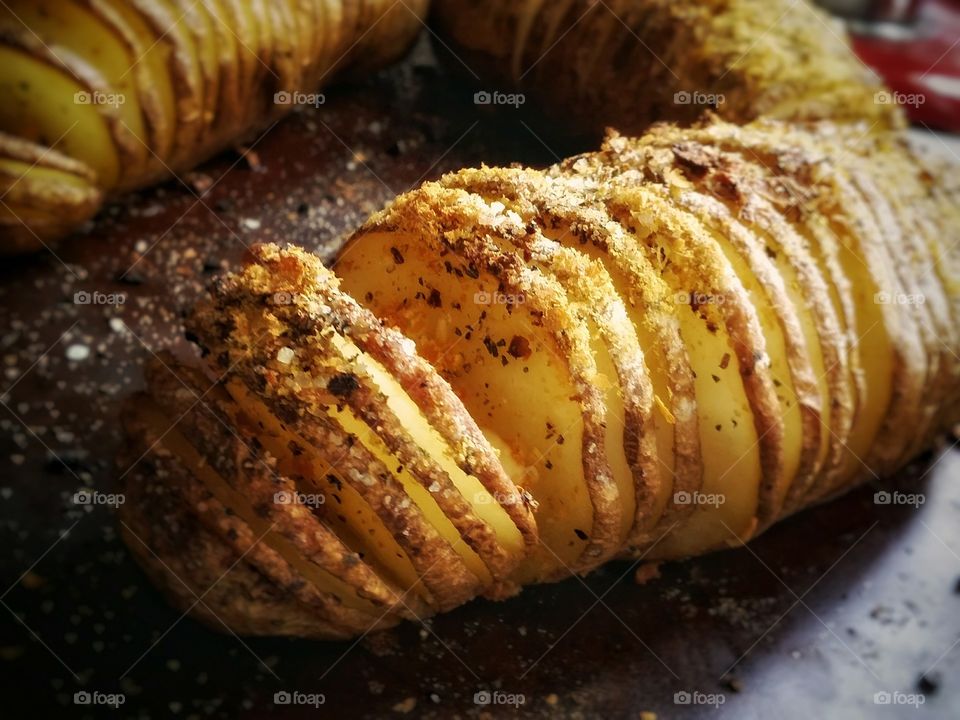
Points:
(629, 63)
(134, 91)
(661, 347)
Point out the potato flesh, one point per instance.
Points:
(427, 438)
(154, 56)
(69, 30)
(523, 408)
(729, 441)
(875, 355)
(607, 375)
(418, 494)
(664, 418)
(777, 351)
(39, 106)
(731, 456)
(356, 522)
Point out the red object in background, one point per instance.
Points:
(919, 59)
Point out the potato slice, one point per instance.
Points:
(194, 16)
(69, 36)
(799, 318)
(366, 402)
(568, 215)
(890, 351)
(631, 437)
(239, 16)
(42, 194)
(494, 329)
(68, 198)
(229, 65)
(226, 512)
(741, 433)
(907, 220)
(716, 330)
(244, 585)
(148, 67)
(796, 184)
(51, 117)
(167, 22)
(355, 521)
(937, 176)
(251, 480)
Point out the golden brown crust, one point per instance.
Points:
(593, 257)
(453, 223)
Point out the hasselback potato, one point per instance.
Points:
(629, 63)
(131, 92)
(662, 347)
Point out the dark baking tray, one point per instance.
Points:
(810, 621)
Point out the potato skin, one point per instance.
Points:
(626, 64)
(629, 218)
(230, 69)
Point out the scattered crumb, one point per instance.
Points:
(32, 581)
(78, 352)
(929, 683)
(733, 684)
(646, 572)
(405, 706)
